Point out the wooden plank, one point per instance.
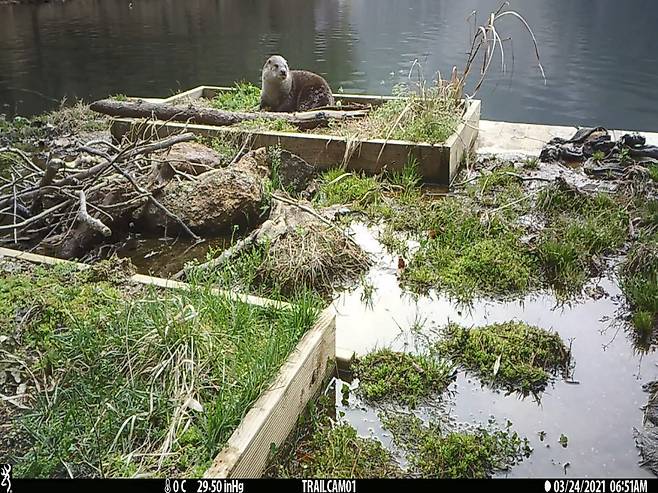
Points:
(194, 93)
(344, 358)
(274, 415)
(323, 152)
(142, 279)
(438, 163)
(465, 137)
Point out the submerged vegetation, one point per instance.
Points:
(122, 380)
(435, 452)
(402, 378)
(322, 448)
(512, 355)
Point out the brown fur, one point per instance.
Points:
(287, 90)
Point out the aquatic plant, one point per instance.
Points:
(388, 376)
(435, 451)
(322, 448)
(511, 355)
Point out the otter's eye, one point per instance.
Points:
(276, 66)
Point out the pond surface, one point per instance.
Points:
(597, 408)
(600, 56)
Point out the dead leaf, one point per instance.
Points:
(192, 403)
(497, 365)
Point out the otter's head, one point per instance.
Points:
(275, 68)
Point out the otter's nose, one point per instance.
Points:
(283, 73)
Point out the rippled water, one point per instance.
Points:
(599, 55)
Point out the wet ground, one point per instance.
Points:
(597, 409)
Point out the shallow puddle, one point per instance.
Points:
(596, 410)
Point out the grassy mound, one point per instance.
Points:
(403, 378)
(512, 355)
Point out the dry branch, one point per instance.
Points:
(92, 222)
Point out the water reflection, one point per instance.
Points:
(599, 58)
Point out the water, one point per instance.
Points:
(599, 55)
(597, 414)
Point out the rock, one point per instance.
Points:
(217, 200)
(193, 158)
(295, 173)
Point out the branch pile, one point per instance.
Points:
(67, 207)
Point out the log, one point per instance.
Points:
(211, 116)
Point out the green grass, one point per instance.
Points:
(340, 187)
(528, 355)
(474, 243)
(434, 452)
(261, 124)
(579, 228)
(225, 146)
(465, 256)
(133, 372)
(245, 97)
(385, 375)
(639, 283)
(653, 171)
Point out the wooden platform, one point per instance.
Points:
(274, 415)
(438, 163)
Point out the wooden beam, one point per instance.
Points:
(274, 415)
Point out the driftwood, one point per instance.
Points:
(211, 116)
(92, 222)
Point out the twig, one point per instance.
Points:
(15, 202)
(36, 218)
(52, 168)
(316, 215)
(225, 256)
(92, 222)
(23, 156)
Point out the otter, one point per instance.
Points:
(288, 90)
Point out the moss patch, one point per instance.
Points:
(434, 452)
(403, 378)
(512, 355)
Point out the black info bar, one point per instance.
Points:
(9, 485)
